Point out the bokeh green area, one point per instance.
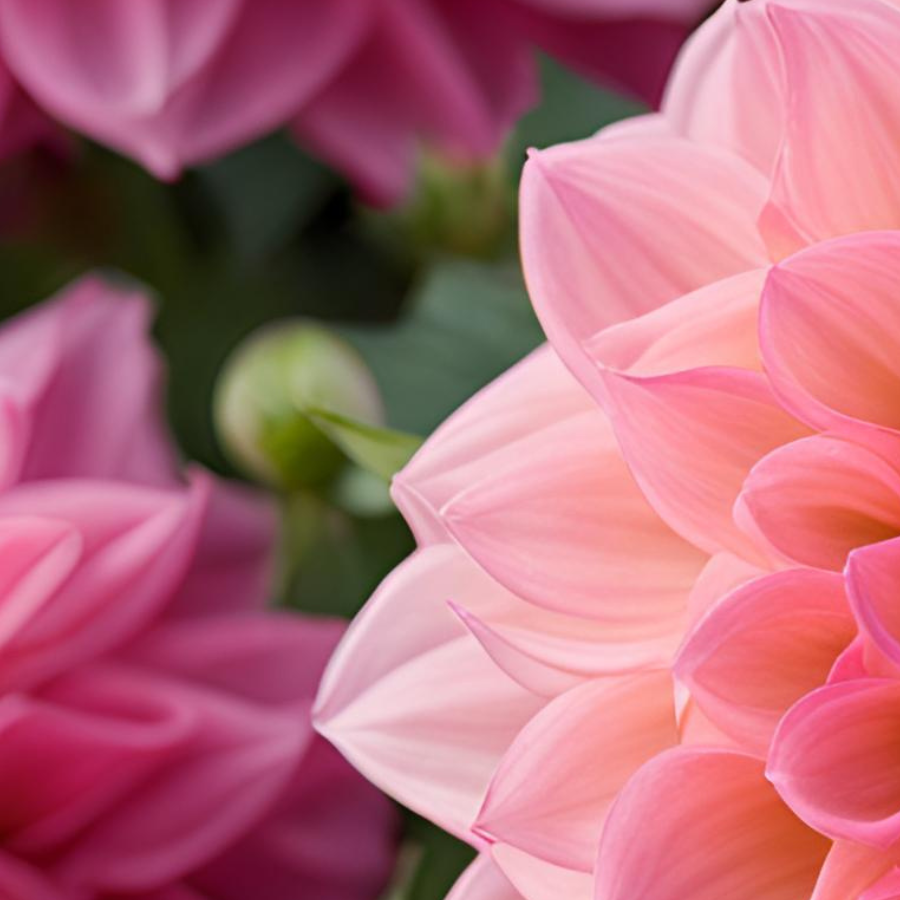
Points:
(431, 296)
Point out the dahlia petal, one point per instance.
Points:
(547, 797)
(762, 648)
(733, 54)
(705, 824)
(587, 203)
(300, 849)
(272, 660)
(565, 526)
(461, 450)
(84, 423)
(849, 869)
(690, 439)
(887, 888)
(838, 61)
(483, 881)
(536, 879)
(423, 713)
(833, 760)
(135, 545)
(844, 373)
(20, 881)
(872, 574)
(816, 499)
(237, 760)
(233, 562)
(712, 326)
(723, 574)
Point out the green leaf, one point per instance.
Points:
(382, 451)
(468, 322)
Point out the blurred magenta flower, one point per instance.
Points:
(649, 647)
(177, 82)
(156, 740)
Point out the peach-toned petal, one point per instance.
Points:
(849, 869)
(762, 648)
(873, 574)
(704, 824)
(590, 215)
(834, 756)
(548, 797)
(414, 701)
(843, 373)
(691, 438)
(816, 499)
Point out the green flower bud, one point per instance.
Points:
(269, 391)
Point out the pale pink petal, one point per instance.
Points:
(726, 89)
(483, 881)
(591, 213)
(834, 760)
(816, 499)
(549, 798)
(704, 824)
(412, 699)
(462, 449)
(723, 574)
(712, 326)
(837, 170)
(843, 372)
(564, 526)
(691, 438)
(536, 879)
(762, 648)
(872, 578)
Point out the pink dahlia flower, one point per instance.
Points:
(176, 82)
(649, 645)
(156, 740)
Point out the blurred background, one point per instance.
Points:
(422, 301)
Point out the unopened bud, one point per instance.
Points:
(269, 391)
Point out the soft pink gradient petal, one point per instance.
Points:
(887, 888)
(872, 575)
(838, 69)
(537, 879)
(833, 760)
(483, 881)
(586, 204)
(844, 373)
(726, 88)
(566, 527)
(412, 699)
(547, 797)
(691, 438)
(764, 646)
(818, 498)
(704, 824)
(462, 449)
